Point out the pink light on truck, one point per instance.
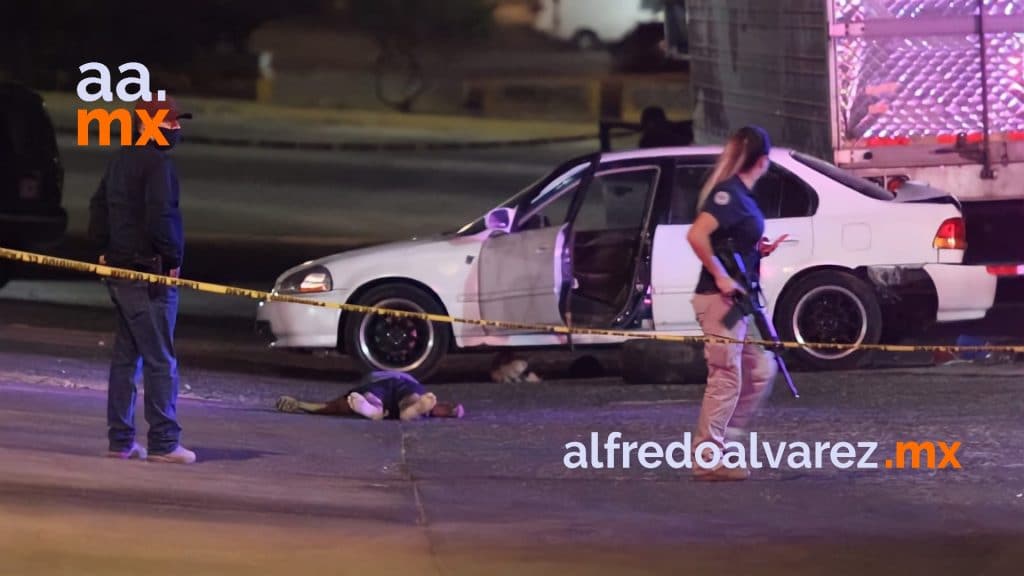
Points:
(934, 81)
(1006, 270)
(880, 141)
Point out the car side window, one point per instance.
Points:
(780, 194)
(689, 179)
(617, 200)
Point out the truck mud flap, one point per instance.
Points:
(995, 231)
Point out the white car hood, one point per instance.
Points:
(412, 258)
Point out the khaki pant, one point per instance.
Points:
(739, 375)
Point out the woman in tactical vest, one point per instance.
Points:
(739, 375)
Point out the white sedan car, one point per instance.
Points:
(601, 242)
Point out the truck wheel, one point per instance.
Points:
(830, 307)
(586, 41)
(382, 342)
(663, 362)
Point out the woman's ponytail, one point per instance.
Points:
(741, 153)
(727, 166)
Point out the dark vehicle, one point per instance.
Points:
(31, 175)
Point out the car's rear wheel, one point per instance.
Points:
(388, 342)
(830, 307)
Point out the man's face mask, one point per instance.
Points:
(172, 135)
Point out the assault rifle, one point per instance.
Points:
(748, 303)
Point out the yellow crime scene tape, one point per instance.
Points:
(123, 274)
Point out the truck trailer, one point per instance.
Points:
(898, 91)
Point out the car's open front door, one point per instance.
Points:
(522, 278)
(525, 272)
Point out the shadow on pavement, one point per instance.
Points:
(209, 454)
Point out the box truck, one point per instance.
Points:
(920, 91)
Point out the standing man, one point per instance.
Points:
(135, 219)
(658, 132)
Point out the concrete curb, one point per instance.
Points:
(23, 379)
(368, 146)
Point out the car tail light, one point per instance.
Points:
(1006, 270)
(952, 235)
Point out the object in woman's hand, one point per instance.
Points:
(766, 247)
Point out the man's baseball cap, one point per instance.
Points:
(174, 113)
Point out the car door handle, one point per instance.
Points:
(542, 249)
(791, 240)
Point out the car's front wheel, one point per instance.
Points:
(830, 307)
(388, 342)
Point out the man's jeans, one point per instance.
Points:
(145, 332)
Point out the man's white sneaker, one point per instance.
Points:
(179, 455)
(135, 452)
(721, 474)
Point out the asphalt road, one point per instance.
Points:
(490, 494)
(262, 193)
(265, 211)
(268, 210)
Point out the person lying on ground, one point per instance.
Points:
(379, 396)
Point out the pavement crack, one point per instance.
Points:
(421, 512)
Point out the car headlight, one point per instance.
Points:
(307, 281)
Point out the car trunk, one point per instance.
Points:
(995, 229)
(913, 193)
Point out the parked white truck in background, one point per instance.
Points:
(591, 24)
(894, 90)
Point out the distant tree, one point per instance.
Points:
(405, 29)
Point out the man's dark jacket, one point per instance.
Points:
(134, 214)
(666, 135)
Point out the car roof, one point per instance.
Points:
(776, 153)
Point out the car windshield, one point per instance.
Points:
(542, 190)
(865, 187)
(477, 226)
(556, 188)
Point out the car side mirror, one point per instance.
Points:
(500, 220)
